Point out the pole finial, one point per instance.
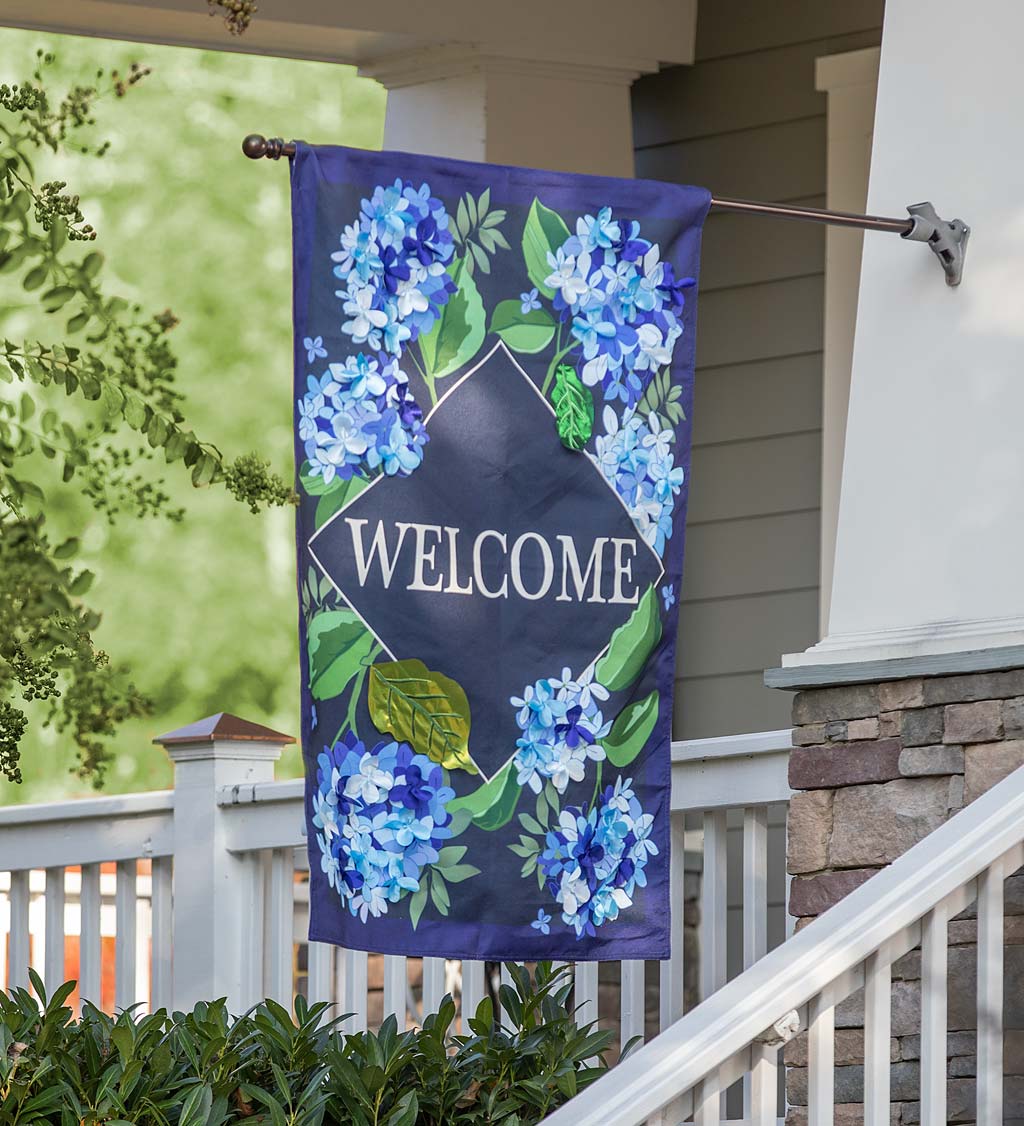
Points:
(254, 146)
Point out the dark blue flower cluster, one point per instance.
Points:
(381, 820)
(393, 261)
(623, 302)
(360, 416)
(594, 860)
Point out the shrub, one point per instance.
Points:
(205, 1068)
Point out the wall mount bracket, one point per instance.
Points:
(947, 239)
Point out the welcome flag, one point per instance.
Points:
(493, 381)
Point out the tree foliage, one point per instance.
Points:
(94, 348)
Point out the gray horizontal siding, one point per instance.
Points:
(746, 121)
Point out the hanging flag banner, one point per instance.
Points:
(493, 381)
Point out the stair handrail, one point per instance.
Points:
(884, 912)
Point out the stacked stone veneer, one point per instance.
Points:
(875, 768)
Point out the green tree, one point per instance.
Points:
(204, 611)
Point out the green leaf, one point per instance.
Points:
(335, 499)
(439, 895)
(523, 332)
(450, 855)
(35, 277)
(81, 583)
(631, 730)
(417, 901)
(135, 411)
(574, 408)
(314, 485)
(492, 804)
(56, 298)
(460, 329)
(423, 708)
(529, 824)
(456, 873)
(66, 550)
(481, 257)
(631, 645)
(545, 231)
(339, 648)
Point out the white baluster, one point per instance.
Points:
(280, 906)
(320, 973)
(586, 984)
(19, 938)
(90, 965)
(714, 907)
(707, 1100)
(820, 1063)
(990, 995)
(472, 990)
(125, 897)
(764, 1085)
(755, 904)
(433, 984)
(395, 986)
(53, 960)
(671, 980)
(353, 988)
(162, 931)
(934, 959)
(877, 1031)
(631, 998)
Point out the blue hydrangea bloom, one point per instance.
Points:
(393, 261)
(380, 819)
(358, 418)
(562, 727)
(623, 304)
(594, 860)
(635, 457)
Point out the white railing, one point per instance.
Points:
(737, 1033)
(86, 892)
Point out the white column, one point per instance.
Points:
(849, 80)
(506, 109)
(930, 531)
(210, 912)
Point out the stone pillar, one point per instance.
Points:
(875, 768)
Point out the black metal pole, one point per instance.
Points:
(256, 146)
(947, 239)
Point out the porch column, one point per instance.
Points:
(479, 104)
(930, 531)
(913, 704)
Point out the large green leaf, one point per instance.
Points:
(423, 708)
(631, 645)
(574, 408)
(523, 332)
(339, 648)
(631, 730)
(544, 231)
(336, 499)
(492, 804)
(314, 485)
(459, 330)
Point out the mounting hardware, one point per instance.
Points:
(947, 239)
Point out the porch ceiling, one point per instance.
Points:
(658, 31)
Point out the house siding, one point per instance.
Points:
(745, 120)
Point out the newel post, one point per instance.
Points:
(212, 912)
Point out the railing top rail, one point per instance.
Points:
(893, 900)
(732, 746)
(83, 809)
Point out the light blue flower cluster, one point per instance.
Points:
(393, 261)
(380, 820)
(359, 417)
(622, 300)
(635, 457)
(562, 727)
(594, 861)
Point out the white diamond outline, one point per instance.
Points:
(502, 346)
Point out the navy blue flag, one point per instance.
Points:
(493, 375)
